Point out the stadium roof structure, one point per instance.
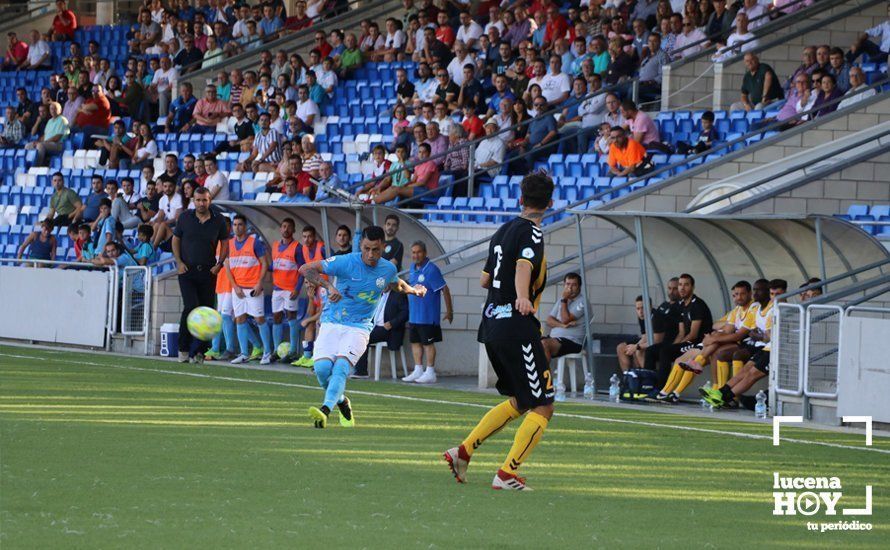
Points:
(266, 218)
(721, 250)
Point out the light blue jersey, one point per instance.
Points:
(360, 286)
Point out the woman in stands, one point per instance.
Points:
(42, 243)
(146, 147)
(113, 92)
(400, 133)
(515, 147)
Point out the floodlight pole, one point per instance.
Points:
(644, 277)
(587, 334)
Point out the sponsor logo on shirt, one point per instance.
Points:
(499, 312)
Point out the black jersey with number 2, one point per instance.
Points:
(518, 240)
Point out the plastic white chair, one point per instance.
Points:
(571, 361)
(378, 357)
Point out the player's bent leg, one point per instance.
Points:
(527, 437)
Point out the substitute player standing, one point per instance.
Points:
(284, 280)
(247, 267)
(515, 274)
(348, 316)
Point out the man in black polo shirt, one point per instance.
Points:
(195, 239)
(760, 85)
(665, 321)
(242, 127)
(393, 250)
(695, 322)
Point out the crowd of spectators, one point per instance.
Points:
(480, 71)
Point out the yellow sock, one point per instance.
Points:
(491, 423)
(736, 367)
(684, 382)
(700, 359)
(673, 379)
(722, 373)
(527, 437)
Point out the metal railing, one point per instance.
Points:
(822, 350)
(788, 349)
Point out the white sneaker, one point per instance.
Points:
(418, 372)
(428, 377)
(183, 357)
(267, 359)
(239, 360)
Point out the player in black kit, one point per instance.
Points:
(515, 274)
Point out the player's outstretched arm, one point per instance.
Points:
(405, 288)
(312, 273)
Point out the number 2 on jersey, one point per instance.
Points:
(499, 252)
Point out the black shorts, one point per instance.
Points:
(750, 348)
(567, 347)
(425, 334)
(761, 361)
(523, 372)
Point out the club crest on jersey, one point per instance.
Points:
(388, 248)
(380, 282)
(528, 253)
(421, 278)
(499, 312)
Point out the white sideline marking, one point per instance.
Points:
(456, 403)
(867, 420)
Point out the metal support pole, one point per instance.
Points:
(587, 334)
(374, 215)
(820, 250)
(325, 234)
(471, 172)
(644, 273)
(635, 91)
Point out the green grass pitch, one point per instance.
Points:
(99, 451)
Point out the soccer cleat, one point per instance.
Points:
(662, 397)
(691, 366)
(319, 418)
(240, 360)
(183, 357)
(418, 372)
(428, 377)
(255, 353)
(305, 362)
(357, 376)
(266, 359)
(711, 396)
(510, 482)
(672, 398)
(212, 355)
(346, 411)
(457, 464)
(198, 359)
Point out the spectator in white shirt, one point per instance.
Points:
(689, 42)
(169, 208)
(327, 78)
(859, 90)
(863, 44)
(163, 82)
(38, 53)
(555, 84)
(491, 150)
(456, 66)
(307, 110)
(216, 181)
(395, 40)
(469, 31)
(741, 41)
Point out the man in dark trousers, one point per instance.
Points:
(389, 327)
(195, 240)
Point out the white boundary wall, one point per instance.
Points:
(54, 305)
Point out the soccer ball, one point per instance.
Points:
(204, 323)
(283, 349)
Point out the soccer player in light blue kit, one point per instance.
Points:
(348, 316)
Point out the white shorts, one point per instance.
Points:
(250, 305)
(281, 301)
(335, 340)
(224, 304)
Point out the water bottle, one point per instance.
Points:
(760, 407)
(704, 404)
(560, 392)
(614, 390)
(588, 386)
